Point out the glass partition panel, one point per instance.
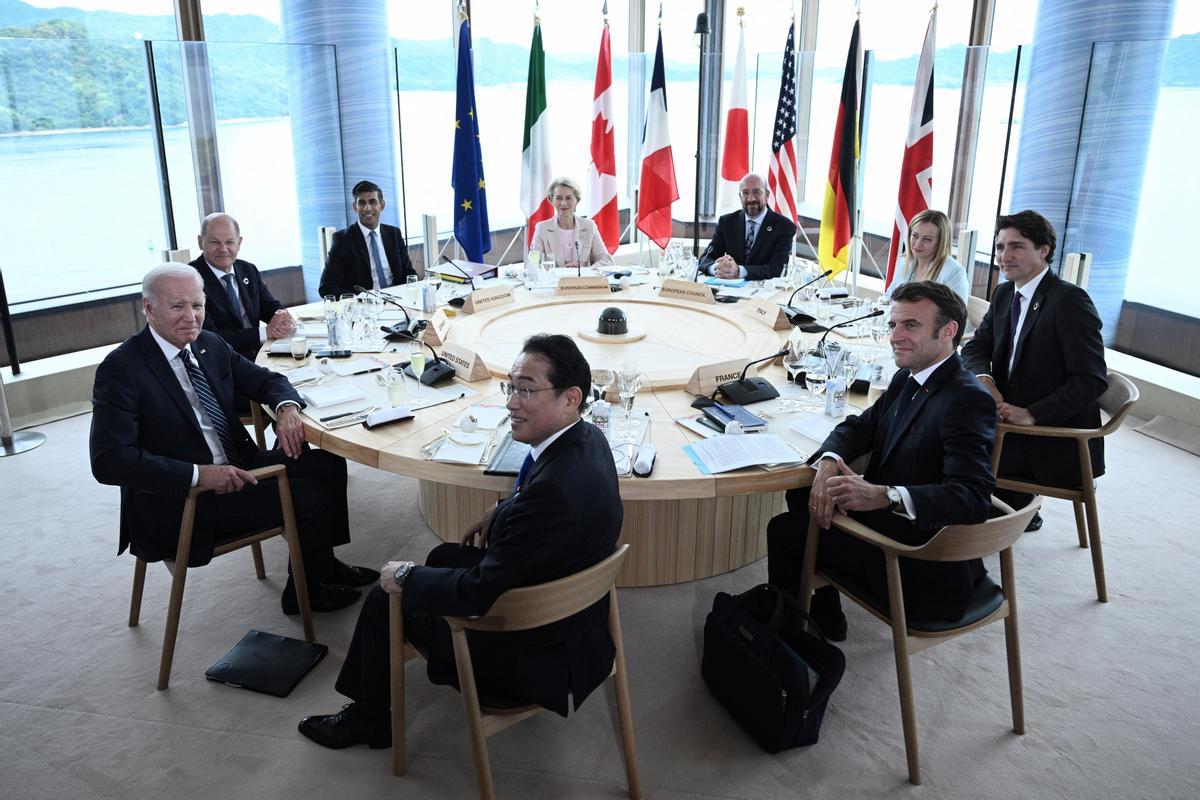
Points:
(80, 207)
(1133, 202)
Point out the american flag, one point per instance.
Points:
(781, 176)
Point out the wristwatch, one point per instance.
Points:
(402, 572)
(895, 500)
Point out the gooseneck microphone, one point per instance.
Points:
(436, 371)
(411, 326)
(795, 315)
(446, 260)
(745, 390)
(821, 344)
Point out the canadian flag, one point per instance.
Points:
(735, 159)
(602, 172)
(916, 170)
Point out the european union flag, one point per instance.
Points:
(470, 198)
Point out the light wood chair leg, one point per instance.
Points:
(908, 713)
(396, 669)
(260, 425)
(173, 611)
(292, 537)
(1012, 642)
(470, 695)
(259, 569)
(135, 600)
(624, 711)
(1080, 524)
(1093, 521)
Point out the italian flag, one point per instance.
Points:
(535, 151)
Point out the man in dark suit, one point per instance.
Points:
(368, 253)
(1052, 372)
(563, 516)
(930, 438)
(163, 421)
(769, 236)
(235, 297)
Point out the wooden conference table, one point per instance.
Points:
(681, 525)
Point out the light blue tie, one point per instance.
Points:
(212, 407)
(379, 273)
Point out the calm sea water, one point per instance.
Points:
(81, 210)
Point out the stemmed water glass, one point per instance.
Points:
(416, 359)
(602, 378)
(816, 375)
(793, 364)
(629, 380)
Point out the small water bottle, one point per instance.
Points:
(601, 413)
(428, 298)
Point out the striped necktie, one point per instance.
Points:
(212, 407)
(380, 275)
(751, 228)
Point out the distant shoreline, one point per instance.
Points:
(122, 128)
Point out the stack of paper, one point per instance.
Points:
(725, 453)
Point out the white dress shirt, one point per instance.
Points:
(387, 270)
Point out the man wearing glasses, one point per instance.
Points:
(753, 243)
(563, 515)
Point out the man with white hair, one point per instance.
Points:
(163, 422)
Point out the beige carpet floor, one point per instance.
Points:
(1112, 692)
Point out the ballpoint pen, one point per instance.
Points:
(343, 414)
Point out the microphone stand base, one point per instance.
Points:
(435, 372)
(748, 390)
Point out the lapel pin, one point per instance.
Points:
(769, 229)
(203, 351)
(246, 281)
(1037, 305)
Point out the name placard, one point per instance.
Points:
(686, 290)
(435, 331)
(468, 366)
(707, 378)
(769, 313)
(584, 284)
(484, 299)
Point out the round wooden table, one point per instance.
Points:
(681, 525)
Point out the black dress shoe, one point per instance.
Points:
(324, 598)
(347, 575)
(348, 727)
(826, 609)
(1035, 524)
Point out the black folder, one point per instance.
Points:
(267, 663)
(507, 458)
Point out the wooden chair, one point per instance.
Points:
(1116, 401)
(259, 420)
(911, 635)
(179, 568)
(517, 610)
(977, 309)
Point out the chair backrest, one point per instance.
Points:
(977, 308)
(964, 542)
(1117, 399)
(533, 606)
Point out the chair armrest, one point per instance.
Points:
(860, 531)
(275, 470)
(1049, 430)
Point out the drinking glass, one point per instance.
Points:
(410, 292)
(397, 386)
(435, 280)
(850, 362)
(331, 317)
(299, 345)
(416, 357)
(602, 379)
(793, 364)
(629, 380)
(816, 374)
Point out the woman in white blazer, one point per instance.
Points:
(572, 240)
(928, 255)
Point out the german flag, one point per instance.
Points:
(837, 212)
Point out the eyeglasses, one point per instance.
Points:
(751, 193)
(508, 390)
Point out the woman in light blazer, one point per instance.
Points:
(928, 255)
(572, 240)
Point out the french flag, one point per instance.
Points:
(657, 189)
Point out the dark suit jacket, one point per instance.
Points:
(772, 245)
(942, 454)
(565, 519)
(1058, 374)
(145, 437)
(222, 318)
(349, 263)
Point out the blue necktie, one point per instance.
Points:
(380, 275)
(907, 393)
(1014, 319)
(234, 299)
(750, 237)
(519, 484)
(212, 407)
